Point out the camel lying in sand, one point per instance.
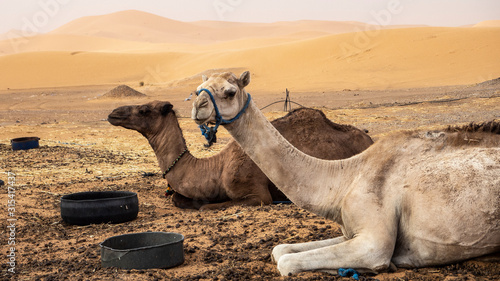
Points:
(230, 177)
(413, 199)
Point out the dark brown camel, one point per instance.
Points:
(230, 177)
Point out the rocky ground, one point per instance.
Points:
(230, 244)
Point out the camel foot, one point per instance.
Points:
(287, 266)
(279, 251)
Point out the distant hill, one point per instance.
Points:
(145, 27)
(488, 23)
(131, 47)
(395, 58)
(123, 91)
(132, 26)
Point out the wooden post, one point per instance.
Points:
(288, 102)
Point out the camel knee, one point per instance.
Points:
(376, 265)
(183, 202)
(381, 267)
(253, 200)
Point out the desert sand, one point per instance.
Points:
(55, 85)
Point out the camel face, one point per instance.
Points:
(142, 118)
(226, 89)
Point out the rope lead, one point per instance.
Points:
(348, 272)
(210, 132)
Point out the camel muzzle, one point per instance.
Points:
(119, 114)
(210, 132)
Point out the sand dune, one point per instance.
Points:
(488, 23)
(72, 43)
(234, 30)
(131, 47)
(146, 27)
(135, 31)
(392, 59)
(13, 33)
(128, 27)
(83, 43)
(133, 26)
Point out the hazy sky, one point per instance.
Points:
(45, 15)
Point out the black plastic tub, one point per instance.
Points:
(85, 208)
(143, 250)
(24, 143)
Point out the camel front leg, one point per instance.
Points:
(361, 253)
(250, 201)
(284, 249)
(184, 202)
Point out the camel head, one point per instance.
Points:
(228, 93)
(147, 119)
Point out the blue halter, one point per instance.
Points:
(210, 132)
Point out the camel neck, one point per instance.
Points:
(168, 145)
(285, 165)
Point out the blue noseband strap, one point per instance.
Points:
(210, 132)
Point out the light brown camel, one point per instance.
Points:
(230, 177)
(415, 199)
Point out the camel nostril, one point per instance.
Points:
(204, 103)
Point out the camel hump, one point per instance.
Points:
(310, 131)
(485, 134)
(485, 127)
(308, 116)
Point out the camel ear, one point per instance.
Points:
(244, 79)
(204, 78)
(166, 109)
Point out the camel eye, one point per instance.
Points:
(144, 110)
